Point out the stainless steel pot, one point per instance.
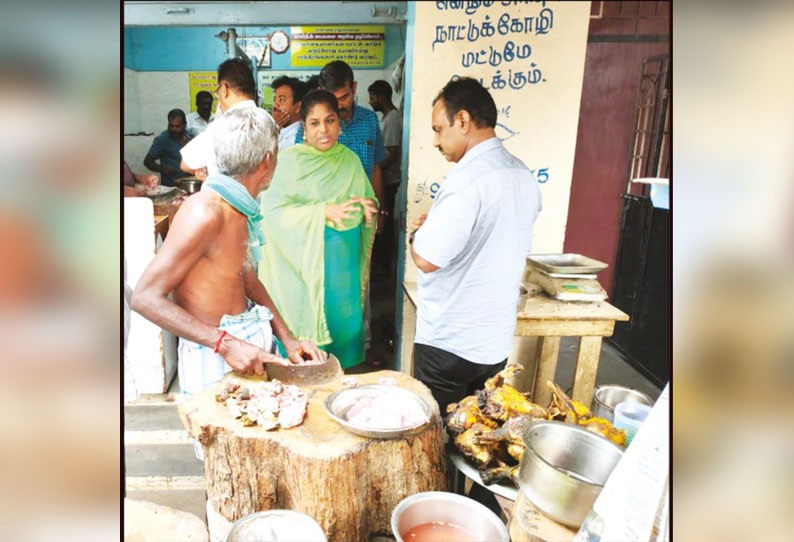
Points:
(276, 526)
(191, 186)
(564, 469)
(443, 507)
(607, 396)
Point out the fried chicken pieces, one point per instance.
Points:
(488, 427)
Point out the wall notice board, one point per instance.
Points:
(359, 46)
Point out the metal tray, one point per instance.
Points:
(161, 193)
(566, 263)
(337, 404)
(506, 489)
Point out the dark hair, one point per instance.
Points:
(469, 95)
(315, 97)
(237, 73)
(312, 83)
(203, 94)
(174, 113)
(297, 86)
(380, 88)
(335, 74)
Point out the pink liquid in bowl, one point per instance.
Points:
(439, 532)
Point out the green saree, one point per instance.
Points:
(316, 273)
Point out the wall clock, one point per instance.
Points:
(279, 41)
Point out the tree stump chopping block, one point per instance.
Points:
(348, 483)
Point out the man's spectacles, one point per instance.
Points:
(217, 89)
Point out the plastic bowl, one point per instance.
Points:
(629, 416)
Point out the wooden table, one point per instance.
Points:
(160, 226)
(550, 320)
(349, 484)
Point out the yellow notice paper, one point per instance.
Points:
(359, 46)
(199, 81)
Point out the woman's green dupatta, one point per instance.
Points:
(293, 207)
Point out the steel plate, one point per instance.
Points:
(566, 263)
(337, 404)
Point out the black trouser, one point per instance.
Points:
(384, 248)
(450, 377)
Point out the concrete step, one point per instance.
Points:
(149, 417)
(162, 460)
(160, 464)
(192, 501)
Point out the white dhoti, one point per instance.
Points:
(201, 368)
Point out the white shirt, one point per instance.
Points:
(391, 126)
(286, 137)
(479, 232)
(130, 391)
(200, 151)
(196, 123)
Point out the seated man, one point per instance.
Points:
(198, 121)
(220, 310)
(166, 147)
(148, 180)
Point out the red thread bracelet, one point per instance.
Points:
(218, 344)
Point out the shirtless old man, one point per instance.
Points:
(218, 307)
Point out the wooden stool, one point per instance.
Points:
(349, 484)
(160, 226)
(551, 319)
(548, 320)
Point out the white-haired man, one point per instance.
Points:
(218, 307)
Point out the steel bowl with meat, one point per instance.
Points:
(378, 411)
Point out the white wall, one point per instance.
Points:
(543, 117)
(148, 97)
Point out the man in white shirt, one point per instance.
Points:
(198, 121)
(470, 248)
(236, 90)
(288, 93)
(391, 126)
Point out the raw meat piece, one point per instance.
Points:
(267, 404)
(385, 410)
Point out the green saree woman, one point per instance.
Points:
(319, 228)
